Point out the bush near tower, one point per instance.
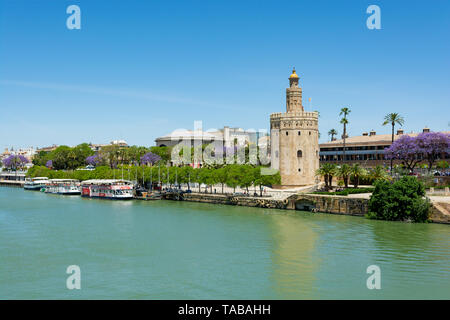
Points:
(402, 200)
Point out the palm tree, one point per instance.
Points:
(357, 172)
(378, 173)
(344, 172)
(344, 112)
(332, 133)
(393, 118)
(327, 171)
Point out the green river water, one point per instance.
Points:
(181, 250)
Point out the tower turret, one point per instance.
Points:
(294, 94)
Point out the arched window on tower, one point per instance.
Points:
(299, 153)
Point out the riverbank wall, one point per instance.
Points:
(310, 202)
(306, 202)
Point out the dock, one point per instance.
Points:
(12, 183)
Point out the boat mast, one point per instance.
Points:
(176, 176)
(136, 176)
(168, 176)
(159, 174)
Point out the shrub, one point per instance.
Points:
(402, 200)
(442, 164)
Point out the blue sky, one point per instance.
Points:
(140, 69)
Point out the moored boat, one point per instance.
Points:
(36, 183)
(113, 189)
(63, 186)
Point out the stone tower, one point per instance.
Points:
(294, 138)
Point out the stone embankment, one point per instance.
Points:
(440, 212)
(309, 202)
(306, 202)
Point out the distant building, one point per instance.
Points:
(227, 136)
(367, 149)
(47, 149)
(98, 147)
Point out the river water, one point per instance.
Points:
(181, 250)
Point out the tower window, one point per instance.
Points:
(310, 133)
(287, 133)
(299, 169)
(299, 133)
(299, 153)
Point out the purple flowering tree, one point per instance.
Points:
(150, 158)
(15, 161)
(49, 164)
(433, 145)
(94, 160)
(406, 150)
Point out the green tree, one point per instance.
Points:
(265, 177)
(332, 133)
(442, 164)
(327, 171)
(246, 176)
(344, 172)
(185, 175)
(221, 175)
(357, 173)
(206, 177)
(233, 177)
(378, 173)
(402, 200)
(163, 152)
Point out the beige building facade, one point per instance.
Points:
(294, 137)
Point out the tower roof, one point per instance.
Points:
(293, 75)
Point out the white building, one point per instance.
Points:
(227, 136)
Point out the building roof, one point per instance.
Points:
(377, 139)
(181, 134)
(106, 181)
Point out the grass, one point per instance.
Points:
(346, 192)
(439, 187)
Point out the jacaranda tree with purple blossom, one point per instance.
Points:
(150, 158)
(15, 161)
(433, 145)
(406, 150)
(49, 164)
(94, 160)
(411, 150)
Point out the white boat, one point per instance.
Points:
(36, 183)
(113, 189)
(63, 186)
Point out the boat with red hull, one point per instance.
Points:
(111, 189)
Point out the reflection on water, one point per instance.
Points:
(294, 262)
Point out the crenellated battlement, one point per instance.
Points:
(313, 114)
